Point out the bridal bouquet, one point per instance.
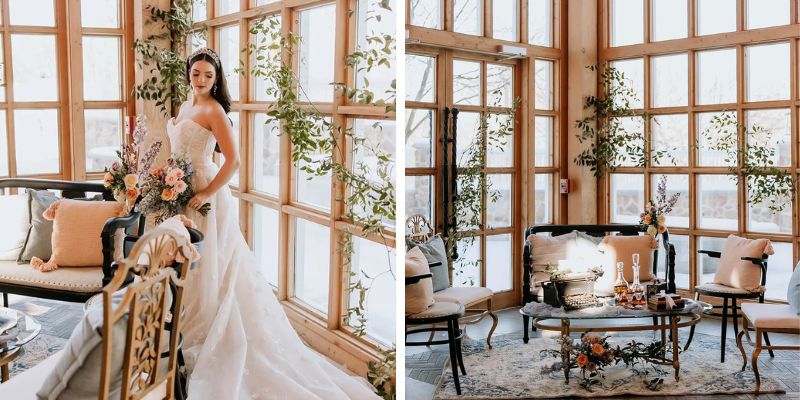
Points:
(654, 216)
(167, 189)
(124, 177)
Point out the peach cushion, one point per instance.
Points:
(738, 273)
(621, 248)
(77, 226)
(419, 296)
(771, 316)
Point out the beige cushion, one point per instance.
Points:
(14, 214)
(717, 288)
(77, 226)
(419, 296)
(547, 250)
(622, 248)
(84, 280)
(438, 309)
(738, 273)
(771, 316)
(465, 296)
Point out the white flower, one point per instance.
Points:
(652, 230)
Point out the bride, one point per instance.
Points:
(238, 342)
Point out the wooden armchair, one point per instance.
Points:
(419, 229)
(67, 284)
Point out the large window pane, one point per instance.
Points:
(715, 16)
(237, 134)
(504, 19)
(540, 20)
(761, 13)
(467, 82)
(262, 84)
(707, 266)
(669, 20)
(199, 10)
(375, 21)
(197, 41)
(101, 68)
(419, 196)
(311, 189)
(670, 77)
(499, 275)
(627, 198)
(373, 263)
(468, 16)
(31, 12)
(500, 152)
(34, 67)
(777, 123)
(378, 140)
(543, 85)
(717, 202)
(420, 78)
(225, 7)
(543, 142)
(543, 199)
(467, 268)
(2, 71)
(767, 72)
(103, 137)
(265, 242)
(36, 140)
(100, 13)
(761, 219)
(229, 57)
(627, 22)
(633, 72)
(499, 85)
(682, 254)
(318, 33)
(780, 270)
(708, 137)
(498, 213)
(266, 155)
(3, 144)
(679, 217)
(426, 13)
(670, 135)
(312, 260)
(419, 138)
(716, 76)
(631, 126)
(467, 128)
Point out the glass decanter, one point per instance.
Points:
(620, 286)
(636, 289)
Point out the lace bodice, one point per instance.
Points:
(188, 138)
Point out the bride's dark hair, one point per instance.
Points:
(220, 89)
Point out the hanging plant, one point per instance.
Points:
(167, 65)
(754, 162)
(611, 142)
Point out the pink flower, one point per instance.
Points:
(180, 186)
(108, 179)
(115, 166)
(158, 171)
(171, 180)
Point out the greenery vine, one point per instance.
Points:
(167, 65)
(752, 162)
(610, 144)
(319, 148)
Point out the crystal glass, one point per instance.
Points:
(620, 286)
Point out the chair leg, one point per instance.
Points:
(754, 359)
(451, 342)
(494, 325)
(740, 346)
(691, 330)
(724, 328)
(433, 332)
(525, 324)
(5, 299)
(735, 313)
(458, 347)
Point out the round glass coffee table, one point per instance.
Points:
(12, 340)
(610, 318)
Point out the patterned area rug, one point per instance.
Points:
(514, 370)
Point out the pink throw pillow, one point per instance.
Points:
(738, 273)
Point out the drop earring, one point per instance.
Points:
(214, 90)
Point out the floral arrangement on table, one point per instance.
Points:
(124, 177)
(593, 353)
(167, 189)
(653, 219)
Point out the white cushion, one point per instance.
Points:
(465, 296)
(25, 385)
(771, 316)
(84, 280)
(14, 214)
(548, 251)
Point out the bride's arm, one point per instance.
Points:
(223, 133)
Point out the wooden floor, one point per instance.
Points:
(785, 366)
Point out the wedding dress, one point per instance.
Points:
(238, 342)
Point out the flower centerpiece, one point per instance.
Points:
(653, 219)
(167, 189)
(125, 176)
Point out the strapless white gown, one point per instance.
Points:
(238, 341)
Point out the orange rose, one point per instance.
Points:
(647, 219)
(167, 194)
(582, 360)
(598, 349)
(662, 229)
(132, 194)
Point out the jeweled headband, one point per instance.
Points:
(208, 52)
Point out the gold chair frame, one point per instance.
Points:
(146, 305)
(758, 346)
